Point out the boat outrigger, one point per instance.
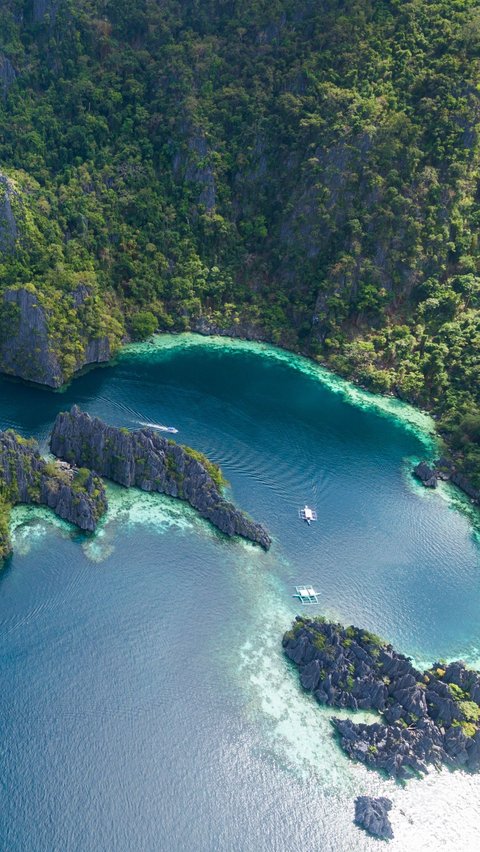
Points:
(307, 514)
(306, 594)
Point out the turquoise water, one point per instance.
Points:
(145, 702)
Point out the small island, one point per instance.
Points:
(76, 495)
(372, 815)
(146, 460)
(429, 718)
(87, 449)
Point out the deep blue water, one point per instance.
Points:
(145, 703)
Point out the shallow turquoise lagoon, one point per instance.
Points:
(145, 702)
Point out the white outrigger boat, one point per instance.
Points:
(307, 514)
(306, 594)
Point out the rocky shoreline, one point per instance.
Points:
(16, 357)
(146, 460)
(426, 719)
(75, 495)
(444, 470)
(429, 718)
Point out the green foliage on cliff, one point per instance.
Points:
(26, 477)
(306, 169)
(5, 543)
(213, 470)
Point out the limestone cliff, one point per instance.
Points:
(56, 322)
(7, 75)
(145, 459)
(29, 349)
(42, 8)
(77, 496)
(8, 225)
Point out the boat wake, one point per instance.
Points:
(160, 427)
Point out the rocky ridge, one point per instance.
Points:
(77, 496)
(145, 459)
(426, 718)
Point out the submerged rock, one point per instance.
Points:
(372, 815)
(425, 718)
(77, 496)
(147, 460)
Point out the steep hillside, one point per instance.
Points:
(304, 171)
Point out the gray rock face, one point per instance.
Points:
(41, 8)
(25, 477)
(372, 815)
(29, 353)
(7, 75)
(426, 475)
(148, 461)
(445, 469)
(196, 168)
(8, 226)
(463, 483)
(424, 719)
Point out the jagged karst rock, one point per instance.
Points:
(33, 342)
(465, 485)
(426, 718)
(426, 474)
(445, 470)
(145, 459)
(372, 815)
(193, 165)
(25, 477)
(27, 351)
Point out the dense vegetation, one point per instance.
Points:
(306, 170)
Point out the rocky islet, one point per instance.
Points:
(90, 449)
(146, 460)
(372, 815)
(429, 718)
(75, 495)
